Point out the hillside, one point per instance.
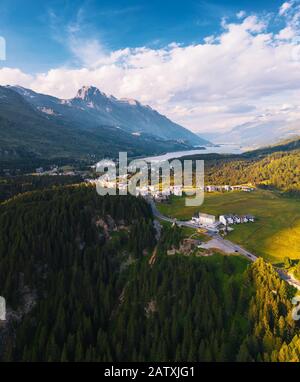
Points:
(30, 131)
(275, 167)
(91, 107)
(280, 170)
(257, 133)
(84, 290)
(284, 145)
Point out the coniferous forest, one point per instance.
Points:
(279, 170)
(149, 185)
(79, 286)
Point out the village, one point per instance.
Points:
(224, 222)
(162, 193)
(201, 220)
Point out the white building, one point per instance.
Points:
(235, 219)
(204, 219)
(226, 219)
(39, 170)
(211, 188)
(250, 218)
(177, 190)
(223, 220)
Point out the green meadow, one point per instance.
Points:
(274, 235)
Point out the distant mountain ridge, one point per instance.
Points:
(91, 107)
(287, 145)
(253, 135)
(89, 126)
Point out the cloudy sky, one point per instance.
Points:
(208, 65)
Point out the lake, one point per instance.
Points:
(221, 149)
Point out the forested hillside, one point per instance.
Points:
(275, 167)
(31, 132)
(282, 146)
(75, 272)
(280, 170)
(14, 185)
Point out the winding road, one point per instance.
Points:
(218, 241)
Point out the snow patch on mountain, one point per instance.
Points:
(91, 108)
(47, 111)
(130, 101)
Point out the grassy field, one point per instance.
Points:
(275, 234)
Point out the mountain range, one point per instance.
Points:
(257, 133)
(90, 125)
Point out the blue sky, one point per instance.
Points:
(35, 30)
(208, 65)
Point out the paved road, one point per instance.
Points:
(289, 279)
(180, 223)
(235, 248)
(219, 242)
(227, 247)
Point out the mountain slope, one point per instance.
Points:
(286, 145)
(90, 107)
(29, 131)
(276, 166)
(256, 134)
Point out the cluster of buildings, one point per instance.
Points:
(211, 221)
(42, 171)
(226, 188)
(159, 195)
(121, 183)
(235, 219)
(54, 170)
(165, 193)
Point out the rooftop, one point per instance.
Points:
(202, 215)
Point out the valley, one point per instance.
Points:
(89, 127)
(150, 187)
(132, 304)
(89, 270)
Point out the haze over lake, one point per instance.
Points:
(221, 149)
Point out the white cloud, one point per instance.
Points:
(286, 33)
(241, 14)
(89, 52)
(12, 76)
(285, 7)
(210, 39)
(230, 79)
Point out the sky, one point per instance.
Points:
(208, 65)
